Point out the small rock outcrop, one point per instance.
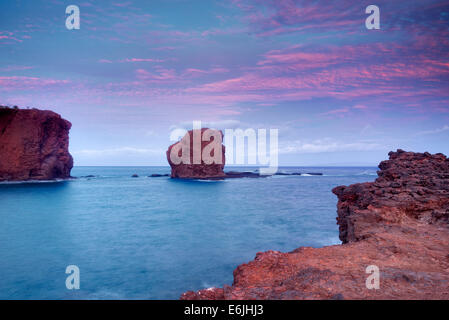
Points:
(33, 145)
(157, 175)
(399, 224)
(198, 142)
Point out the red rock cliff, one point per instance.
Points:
(200, 170)
(399, 223)
(33, 145)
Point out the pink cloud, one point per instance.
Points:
(121, 4)
(28, 83)
(142, 60)
(162, 75)
(274, 17)
(15, 68)
(132, 60)
(336, 111)
(343, 73)
(5, 37)
(194, 71)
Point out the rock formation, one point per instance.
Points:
(33, 145)
(398, 223)
(189, 169)
(157, 175)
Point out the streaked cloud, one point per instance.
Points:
(328, 145)
(118, 151)
(434, 131)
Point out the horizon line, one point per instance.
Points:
(234, 166)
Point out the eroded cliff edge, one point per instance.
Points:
(399, 223)
(33, 145)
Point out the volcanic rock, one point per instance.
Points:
(201, 170)
(399, 223)
(33, 145)
(244, 174)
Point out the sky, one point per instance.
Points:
(338, 93)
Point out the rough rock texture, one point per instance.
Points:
(33, 145)
(197, 171)
(399, 223)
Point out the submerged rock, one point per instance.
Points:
(314, 173)
(399, 224)
(33, 145)
(156, 175)
(245, 174)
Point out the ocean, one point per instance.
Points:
(155, 238)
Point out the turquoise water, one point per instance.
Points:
(154, 238)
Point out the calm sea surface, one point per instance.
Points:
(154, 238)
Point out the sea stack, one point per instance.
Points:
(395, 234)
(33, 145)
(193, 152)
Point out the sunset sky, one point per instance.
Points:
(338, 93)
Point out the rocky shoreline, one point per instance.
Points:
(399, 223)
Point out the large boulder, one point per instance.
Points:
(209, 164)
(33, 145)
